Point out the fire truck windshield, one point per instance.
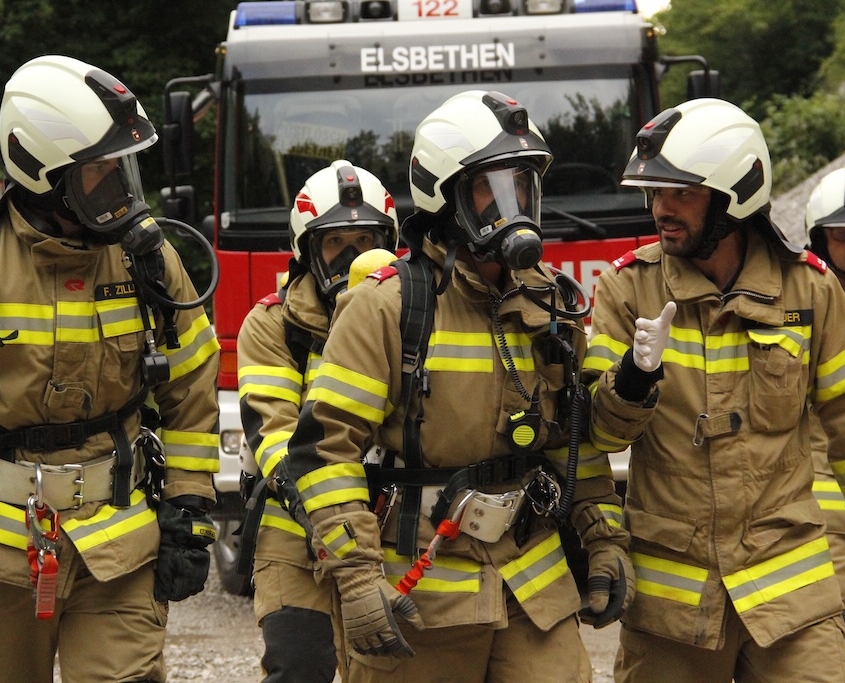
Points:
(277, 139)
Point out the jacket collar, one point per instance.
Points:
(48, 250)
(470, 285)
(757, 294)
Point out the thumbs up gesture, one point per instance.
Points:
(651, 337)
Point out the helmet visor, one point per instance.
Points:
(102, 191)
(333, 250)
(489, 198)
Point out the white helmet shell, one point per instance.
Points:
(826, 205)
(323, 204)
(57, 111)
(708, 142)
(471, 128)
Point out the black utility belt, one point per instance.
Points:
(56, 437)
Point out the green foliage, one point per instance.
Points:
(145, 43)
(762, 48)
(803, 135)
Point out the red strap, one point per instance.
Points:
(381, 274)
(817, 263)
(625, 260)
(270, 300)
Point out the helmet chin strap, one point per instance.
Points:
(717, 225)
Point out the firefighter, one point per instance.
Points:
(448, 548)
(341, 212)
(98, 536)
(824, 220)
(706, 348)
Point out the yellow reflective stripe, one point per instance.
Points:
(339, 542)
(119, 316)
(535, 570)
(780, 575)
(13, 531)
(592, 463)
(333, 485)
(110, 522)
(726, 353)
(830, 378)
(32, 322)
(273, 448)
(282, 383)
(460, 352)
(519, 347)
(312, 366)
(197, 344)
(606, 442)
(446, 575)
(603, 352)
(76, 321)
(612, 514)
(350, 391)
(829, 495)
(669, 580)
(278, 518)
(791, 339)
(193, 451)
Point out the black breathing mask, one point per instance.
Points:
(498, 208)
(107, 198)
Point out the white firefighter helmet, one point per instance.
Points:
(707, 142)
(340, 196)
(826, 205)
(57, 111)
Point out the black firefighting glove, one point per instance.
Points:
(611, 583)
(183, 557)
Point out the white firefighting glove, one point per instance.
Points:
(368, 604)
(611, 583)
(651, 337)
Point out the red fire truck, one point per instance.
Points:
(301, 83)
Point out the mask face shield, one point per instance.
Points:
(106, 193)
(333, 250)
(499, 209)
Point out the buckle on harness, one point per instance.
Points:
(54, 437)
(79, 482)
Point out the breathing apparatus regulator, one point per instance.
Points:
(69, 133)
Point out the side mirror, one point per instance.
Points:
(704, 83)
(179, 203)
(178, 134)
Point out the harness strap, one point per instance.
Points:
(415, 324)
(249, 529)
(55, 437)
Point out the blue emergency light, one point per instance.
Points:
(265, 13)
(605, 6)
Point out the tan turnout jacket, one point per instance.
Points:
(720, 503)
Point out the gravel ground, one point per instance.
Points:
(213, 637)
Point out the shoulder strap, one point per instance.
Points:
(416, 319)
(299, 341)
